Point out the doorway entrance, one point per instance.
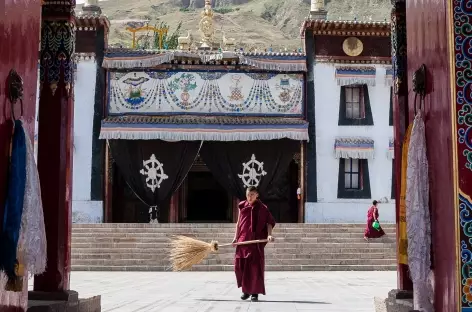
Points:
(207, 200)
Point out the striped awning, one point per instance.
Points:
(389, 77)
(351, 75)
(203, 128)
(354, 147)
(391, 149)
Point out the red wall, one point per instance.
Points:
(20, 21)
(427, 33)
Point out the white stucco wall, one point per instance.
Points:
(330, 209)
(83, 209)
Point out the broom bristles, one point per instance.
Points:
(186, 252)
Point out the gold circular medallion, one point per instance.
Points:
(352, 46)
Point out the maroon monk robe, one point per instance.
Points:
(249, 259)
(370, 232)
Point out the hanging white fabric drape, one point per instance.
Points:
(418, 218)
(32, 242)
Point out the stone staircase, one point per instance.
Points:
(298, 247)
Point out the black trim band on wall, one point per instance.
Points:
(368, 120)
(98, 146)
(394, 180)
(390, 113)
(354, 194)
(311, 182)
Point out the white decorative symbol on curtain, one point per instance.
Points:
(154, 172)
(253, 171)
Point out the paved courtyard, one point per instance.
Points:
(216, 291)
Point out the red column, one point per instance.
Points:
(55, 140)
(400, 115)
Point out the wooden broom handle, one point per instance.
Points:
(247, 242)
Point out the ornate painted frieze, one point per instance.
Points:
(203, 92)
(463, 89)
(57, 49)
(399, 45)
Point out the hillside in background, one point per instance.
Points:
(253, 23)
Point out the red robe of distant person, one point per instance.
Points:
(370, 232)
(249, 260)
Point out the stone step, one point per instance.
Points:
(212, 236)
(165, 240)
(178, 231)
(218, 225)
(307, 247)
(230, 256)
(279, 251)
(147, 262)
(140, 245)
(230, 268)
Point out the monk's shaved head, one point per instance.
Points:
(252, 194)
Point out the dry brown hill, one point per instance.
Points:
(253, 23)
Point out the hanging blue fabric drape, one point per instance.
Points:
(14, 202)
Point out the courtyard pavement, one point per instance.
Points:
(217, 292)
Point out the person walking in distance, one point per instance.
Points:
(254, 222)
(373, 216)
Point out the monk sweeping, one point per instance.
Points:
(254, 222)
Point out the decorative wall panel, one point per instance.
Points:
(209, 93)
(463, 112)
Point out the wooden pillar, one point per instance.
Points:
(400, 115)
(108, 181)
(311, 189)
(302, 179)
(183, 201)
(55, 140)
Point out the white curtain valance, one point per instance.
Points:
(127, 59)
(190, 128)
(356, 147)
(350, 75)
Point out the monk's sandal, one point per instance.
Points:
(245, 296)
(254, 298)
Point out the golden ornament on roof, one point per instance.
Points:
(352, 46)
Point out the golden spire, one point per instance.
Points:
(317, 9)
(206, 26)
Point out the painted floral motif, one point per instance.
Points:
(185, 83)
(467, 290)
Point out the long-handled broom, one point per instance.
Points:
(187, 251)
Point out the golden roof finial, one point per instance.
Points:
(317, 5)
(206, 26)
